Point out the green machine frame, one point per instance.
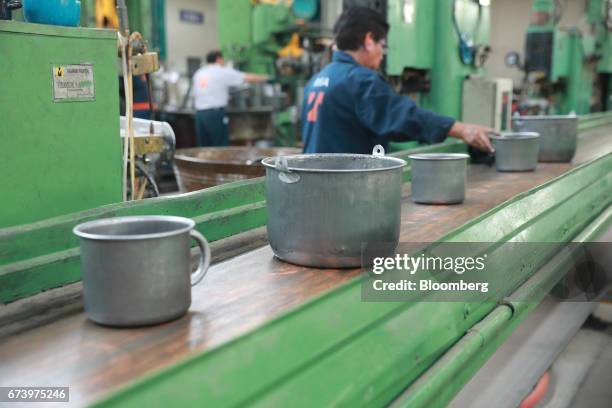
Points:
(424, 37)
(246, 32)
(59, 156)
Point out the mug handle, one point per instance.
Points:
(199, 274)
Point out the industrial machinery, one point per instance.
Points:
(433, 47)
(63, 114)
(154, 147)
(278, 38)
(427, 61)
(285, 39)
(567, 69)
(60, 124)
(253, 112)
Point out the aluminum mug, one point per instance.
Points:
(137, 270)
(439, 178)
(516, 151)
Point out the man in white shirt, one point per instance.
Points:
(211, 85)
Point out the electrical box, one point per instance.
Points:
(488, 102)
(59, 115)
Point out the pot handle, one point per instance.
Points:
(285, 175)
(378, 151)
(204, 263)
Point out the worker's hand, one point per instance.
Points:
(473, 135)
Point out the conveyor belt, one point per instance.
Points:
(236, 296)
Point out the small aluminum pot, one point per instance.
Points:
(137, 270)
(334, 210)
(558, 135)
(516, 151)
(438, 178)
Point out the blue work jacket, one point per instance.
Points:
(349, 108)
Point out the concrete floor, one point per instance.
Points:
(582, 375)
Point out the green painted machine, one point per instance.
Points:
(567, 69)
(280, 39)
(60, 126)
(434, 46)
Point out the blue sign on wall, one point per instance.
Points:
(192, 16)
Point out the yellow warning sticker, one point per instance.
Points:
(59, 71)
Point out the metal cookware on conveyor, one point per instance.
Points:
(334, 210)
(202, 167)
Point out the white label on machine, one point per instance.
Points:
(73, 83)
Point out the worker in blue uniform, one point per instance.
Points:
(349, 107)
(140, 97)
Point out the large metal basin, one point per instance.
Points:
(333, 210)
(516, 151)
(203, 167)
(558, 135)
(438, 178)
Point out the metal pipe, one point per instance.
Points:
(124, 71)
(124, 21)
(426, 388)
(429, 386)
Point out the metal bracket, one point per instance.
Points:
(145, 63)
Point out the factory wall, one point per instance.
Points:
(509, 21)
(190, 39)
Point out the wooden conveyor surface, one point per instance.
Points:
(236, 296)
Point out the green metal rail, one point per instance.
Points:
(451, 372)
(45, 254)
(594, 120)
(338, 350)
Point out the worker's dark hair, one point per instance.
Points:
(353, 25)
(213, 56)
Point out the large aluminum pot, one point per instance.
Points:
(136, 270)
(438, 178)
(558, 135)
(329, 210)
(516, 151)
